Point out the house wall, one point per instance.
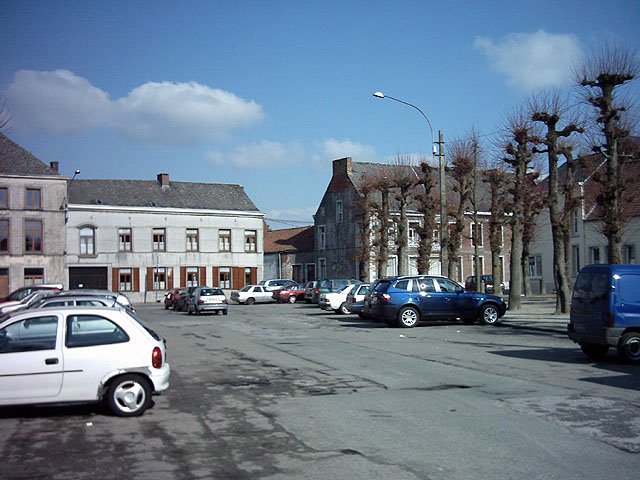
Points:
(51, 260)
(209, 259)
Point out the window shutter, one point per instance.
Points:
(115, 279)
(215, 281)
(183, 276)
(202, 277)
(136, 279)
(149, 279)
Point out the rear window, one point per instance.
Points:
(590, 286)
(382, 286)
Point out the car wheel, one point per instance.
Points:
(292, 299)
(408, 317)
(188, 311)
(629, 347)
(250, 301)
(224, 312)
(129, 395)
(489, 315)
(343, 309)
(166, 307)
(594, 351)
(196, 311)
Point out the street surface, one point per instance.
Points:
(291, 392)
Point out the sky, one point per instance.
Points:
(266, 94)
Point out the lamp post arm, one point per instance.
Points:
(421, 113)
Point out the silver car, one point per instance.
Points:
(207, 299)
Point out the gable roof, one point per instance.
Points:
(15, 160)
(149, 193)
(300, 239)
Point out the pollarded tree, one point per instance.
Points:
(427, 205)
(517, 145)
(601, 74)
(549, 110)
(403, 179)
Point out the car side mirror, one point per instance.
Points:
(459, 290)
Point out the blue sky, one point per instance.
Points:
(267, 93)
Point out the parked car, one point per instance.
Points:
(486, 283)
(121, 298)
(290, 294)
(605, 311)
(251, 294)
(335, 301)
(355, 299)
(26, 302)
(56, 301)
(404, 301)
(22, 292)
(331, 285)
(309, 290)
(171, 298)
(207, 299)
(81, 354)
(276, 283)
(183, 299)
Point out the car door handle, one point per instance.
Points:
(51, 361)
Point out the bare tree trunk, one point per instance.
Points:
(515, 302)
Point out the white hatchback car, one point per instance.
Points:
(250, 294)
(81, 354)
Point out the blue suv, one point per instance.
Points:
(404, 301)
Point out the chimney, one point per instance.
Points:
(163, 179)
(54, 166)
(342, 166)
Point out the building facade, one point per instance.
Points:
(32, 199)
(289, 253)
(143, 238)
(339, 225)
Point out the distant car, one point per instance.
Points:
(336, 301)
(309, 290)
(207, 299)
(81, 354)
(251, 294)
(290, 294)
(486, 280)
(121, 298)
(22, 292)
(355, 299)
(276, 283)
(182, 299)
(331, 285)
(55, 301)
(31, 299)
(171, 297)
(404, 301)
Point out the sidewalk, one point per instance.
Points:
(537, 314)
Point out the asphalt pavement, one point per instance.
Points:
(537, 313)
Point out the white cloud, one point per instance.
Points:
(157, 113)
(332, 149)
(265, 154)
(532, 61)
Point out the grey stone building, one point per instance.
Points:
(289, 253)
(32, 199)
(339, 224)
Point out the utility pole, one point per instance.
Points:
(444, 216)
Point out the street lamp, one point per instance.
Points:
(444, 221)
(65, 201)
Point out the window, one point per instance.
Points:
(4, 197)
(29, 335)
(339, 215)
(224, 240)
(192, 277)
(322, 268)
(32, 199)
(473, 265)
(414, 238)
(447, 285)
(594, 255)
(89, 330)
(124, 240)
(159, 240)
(87, 241)
(575, 259)
(33, 236)
(192, 239)
(574, 222)
(125, 280)
(477, 233)
(424, 285)
(33, 275)
(322, 239)
(250, 240)
(535, 266)
(247, 276)
(160, 278)
(629, 254)
(4, 235)
(224, 277)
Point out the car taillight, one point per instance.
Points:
(385, 297)
(200, 302)
(317, 291)
(156, 357)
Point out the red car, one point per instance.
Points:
(290, 294)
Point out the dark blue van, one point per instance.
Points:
(605, 311)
